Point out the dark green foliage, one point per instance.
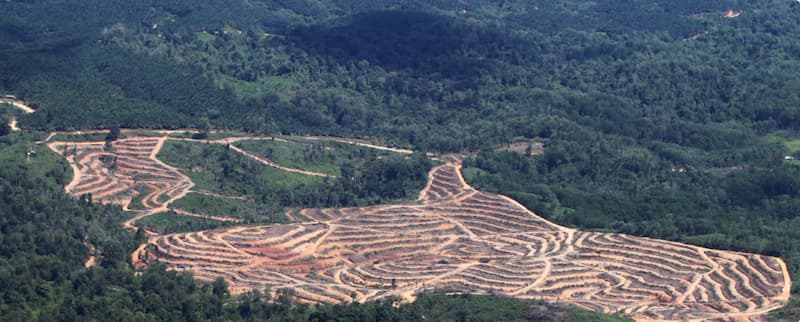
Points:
(364, 181)
(421, 72)
(170, 222)
(465, 307)
(5, 129)
(113, 134)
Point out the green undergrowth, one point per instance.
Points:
(318, 156)
(467, 307)
(216, 168)
(170, 222)
(372, 176)
(246, 210)
(136, 202)
(210, 135)
(83, 137)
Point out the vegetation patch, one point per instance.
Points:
(524, 147)
(314, 155)
(137, 201)
(246, 210)
(216, 168)
(366, 177)
(171, 222)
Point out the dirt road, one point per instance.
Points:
(18, 104)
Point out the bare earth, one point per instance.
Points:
(521, 147)
(18, 104)
(453, 238)
(131, 169)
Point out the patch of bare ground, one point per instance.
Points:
(523, 147)
(358, 142)
(732, 13)
(117, 173)
(453, 238)
(460, 239)
(725, 171)
(22, 105)
(92, 260)
(19, 104)
(128, 170)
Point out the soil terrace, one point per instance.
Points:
(457, 238)
(123, 171)
(453, 238)
(129, 170)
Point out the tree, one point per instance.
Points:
(5, 129)
(113, 134)
(219, 288)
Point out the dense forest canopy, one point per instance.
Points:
(659, 118)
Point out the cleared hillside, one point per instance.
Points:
(459, 239)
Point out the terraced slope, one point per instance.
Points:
(128, 172)
(127, 169)
(457, 238)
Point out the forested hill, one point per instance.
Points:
(445, 75)
(669, 119)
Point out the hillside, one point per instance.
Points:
(673, 120)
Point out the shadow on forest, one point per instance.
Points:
(397, 40)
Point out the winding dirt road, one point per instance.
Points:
(357, 142)
(454, 238)
(18, 104)
(463, 240)
(138, 159)
(12, 123)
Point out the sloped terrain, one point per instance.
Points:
(456, 238)
(126, 169)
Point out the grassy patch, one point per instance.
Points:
(85, 137)
(246, 210)
(45, 164)
(792, 145)
(470, 174)
(208, 136)
(374, 177)
(205, 36)
(788, 140)
(216, 168)
(170, 222)
(136, 202)
(317, 158)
